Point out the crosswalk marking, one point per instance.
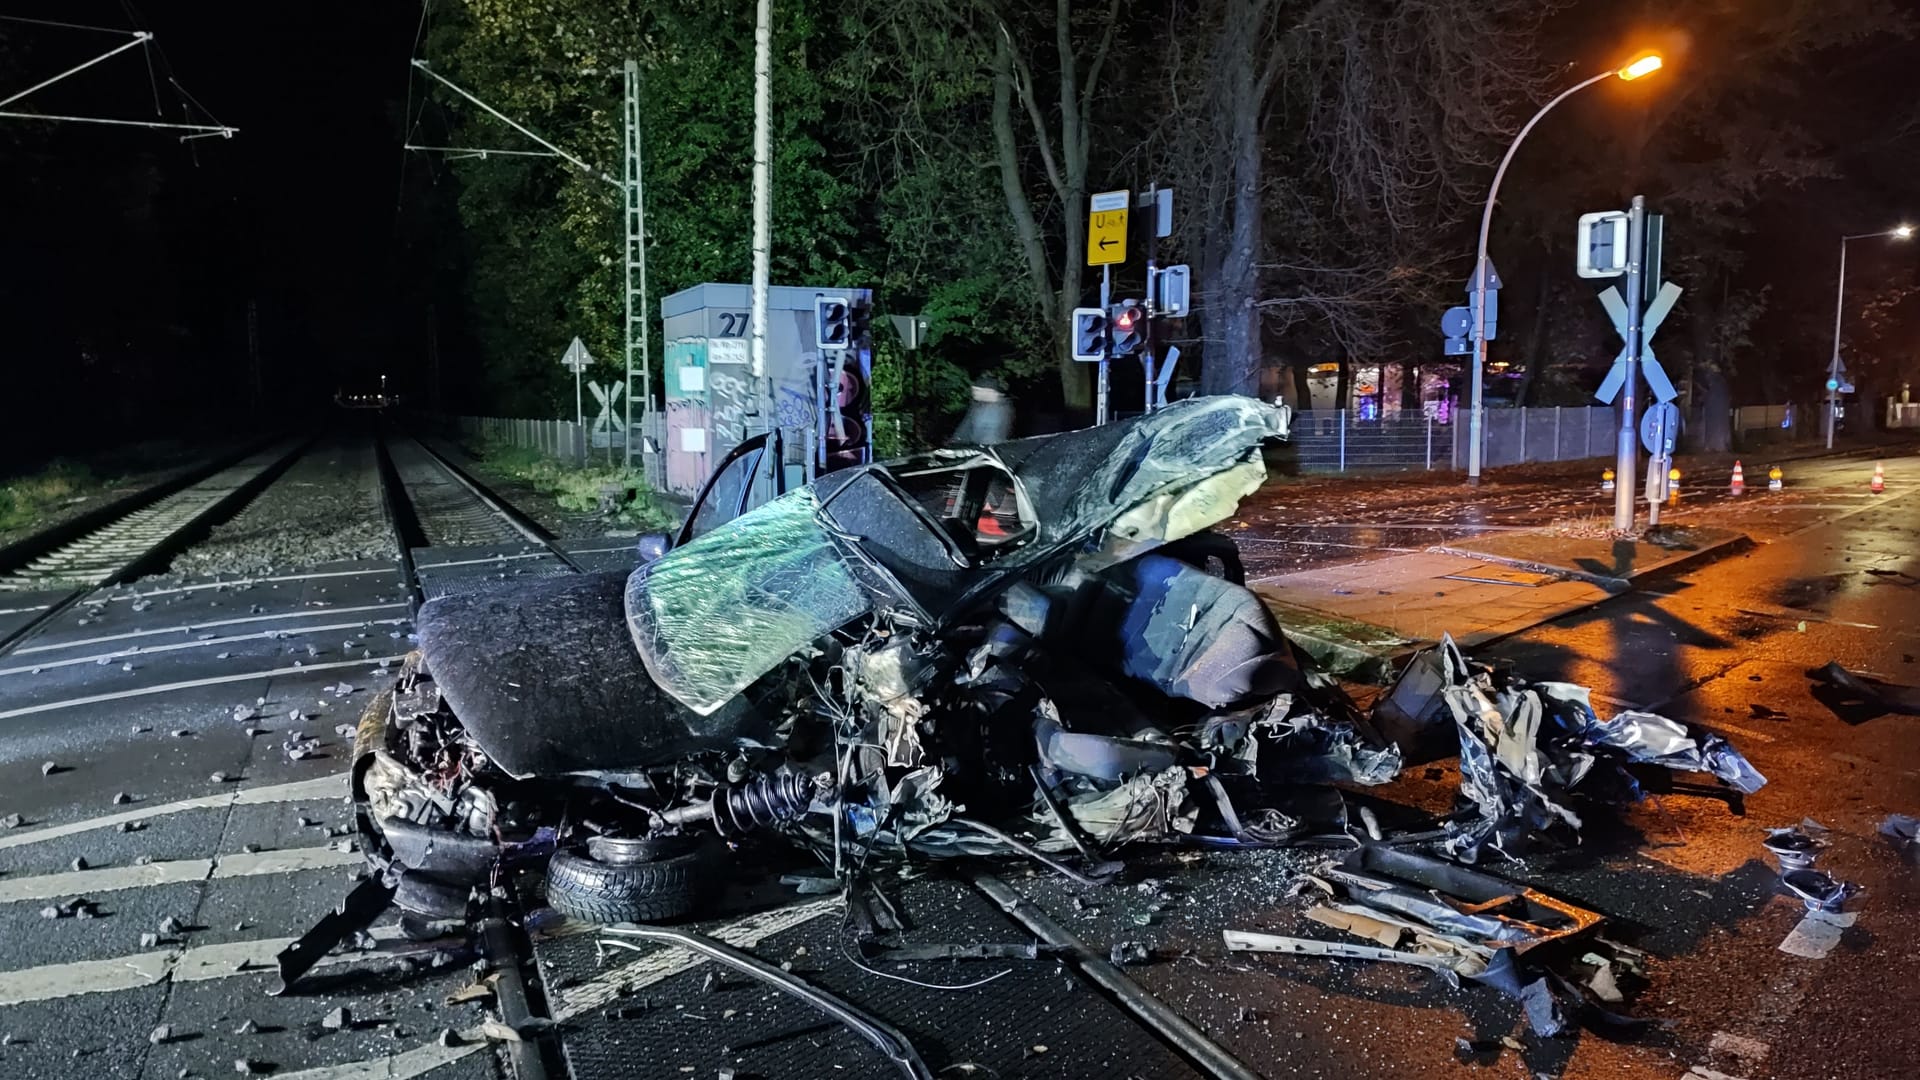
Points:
(188, 628)
(172, 872)
(331, 786)
(215, 680)
(176, 646)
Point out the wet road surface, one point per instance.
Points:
(1681, 876)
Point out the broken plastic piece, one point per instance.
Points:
(1816, 888)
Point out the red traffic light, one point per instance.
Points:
(1124, 320)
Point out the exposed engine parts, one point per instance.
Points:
(759, 801)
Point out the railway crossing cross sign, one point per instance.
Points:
(607, 421)
(1655, 314)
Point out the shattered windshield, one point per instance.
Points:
(711, 617)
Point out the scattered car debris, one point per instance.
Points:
(1849, 688)
(1524, 746)
(1794, 847)
(1816, 888)
(48, 768)
(12, 821)
(161, 1035)
(1904, 831)
(121, 798)
(340, 1018)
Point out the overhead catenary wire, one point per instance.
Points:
(64, 25)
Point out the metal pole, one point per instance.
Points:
(1100, 391)
(636, 219)
(579, 415)
(1153, 297)
(762, 202)
(1626, 458)
(1482, 264)
(1340, 421)
(1833, 366)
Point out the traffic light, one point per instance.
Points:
(832, 322)
(1129, 327)
(1089, 334)
(849, 414)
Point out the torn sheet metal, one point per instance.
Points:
(1525, 746)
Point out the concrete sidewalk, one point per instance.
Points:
(1358, 618)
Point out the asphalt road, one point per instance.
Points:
(1682, 876)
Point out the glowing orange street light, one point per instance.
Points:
(1645, 65)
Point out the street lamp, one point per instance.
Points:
(1642, 65)
(1898, 232)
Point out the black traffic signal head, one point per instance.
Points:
(1129, 327)
(832, 322)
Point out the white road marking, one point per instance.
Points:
(176, 646)
(142, 594)
(84, 977)
(592, 994)
(216, 680)
(333, 786)
(187, 628)
(403, 1066)
(199, 963)
(483, 562)
(23, 610)
(604, 988)
(172, 872)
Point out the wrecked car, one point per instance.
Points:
(932, 656)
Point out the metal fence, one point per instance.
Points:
(1336, 440)
(1339, 440)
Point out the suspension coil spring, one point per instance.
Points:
(761, 800)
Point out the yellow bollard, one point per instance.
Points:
(1774, 478)
(1606, 480)
(1673, 486)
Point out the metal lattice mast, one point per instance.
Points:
(633, 193)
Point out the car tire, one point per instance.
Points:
(592, 891)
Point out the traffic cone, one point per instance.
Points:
(1606, 480)
(1879, 484)
(1739, 485)
(1774, 479)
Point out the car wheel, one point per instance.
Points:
(648, 890)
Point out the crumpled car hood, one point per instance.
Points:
(712, 616)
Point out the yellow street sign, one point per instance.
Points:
(1107, 228)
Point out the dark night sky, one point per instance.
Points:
(127, 259)
(297, 211)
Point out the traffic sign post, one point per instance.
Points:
(1107, 228)
(1626, 458)
(1106, 245)
(1659, 428)
(576, 359)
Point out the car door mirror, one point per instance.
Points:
(653, 545)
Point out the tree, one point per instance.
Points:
(1334, 146)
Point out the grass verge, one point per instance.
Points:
(25, 499)
(578, 490)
